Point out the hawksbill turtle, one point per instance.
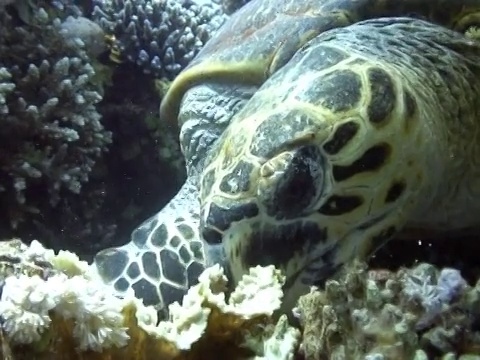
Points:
(313, 132)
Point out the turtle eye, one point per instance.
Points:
(293, 181)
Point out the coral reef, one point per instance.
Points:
(53, 307)
(418, 313)
(51, 134)
(161, 37)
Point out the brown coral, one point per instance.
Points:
(385, 315)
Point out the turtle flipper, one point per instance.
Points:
(164, 257)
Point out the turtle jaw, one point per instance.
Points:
(216, 219)
(300, 248)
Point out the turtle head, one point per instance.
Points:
(273, 192)
(319, 167)
(259, 172)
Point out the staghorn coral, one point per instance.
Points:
(51, 134)
(382, 315)
(160, 36)
(53, 307)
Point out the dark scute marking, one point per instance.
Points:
(276, 245)
(175, 241)
(186, 231)
(371, 222)
(270, 137)
(111, 263)
(197, 249)
(172, 268)
(171, 294)
(121, 285)
(159, 236)
(383, 94)
(410, 103)
(381, 238)
(140, 235)
(185, 254)
(133, 270)
(222, 218)
(150, 265)
(211, 236)
(179, 219)
(371, 160)
(322, 57)
(342, 135)
(337, 91)
(321, 268)
(327, 272)
(193, 272)
(396, 190)
(208, 179)
(410, 109)
(237, 251)
(299, 185)
(239, 176)
(339, 205)
(147, 291)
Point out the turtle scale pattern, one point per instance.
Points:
(313, 131)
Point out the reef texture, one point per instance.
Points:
(160, 36)
(51, 134)
(53, 307)
(419, 313)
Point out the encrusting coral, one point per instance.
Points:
(418, 313)
(53, 307)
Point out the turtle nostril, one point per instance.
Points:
(211, 235)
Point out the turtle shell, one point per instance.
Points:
(264, 35)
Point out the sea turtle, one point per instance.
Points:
(313, 132)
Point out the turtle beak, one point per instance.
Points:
(215, 220)
(211, 235)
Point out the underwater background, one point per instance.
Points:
(84, 156)
(85, 182)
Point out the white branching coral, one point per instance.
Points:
(258, 293)
(52, 289)
(27, 301)
(97, 314)
(24, 307)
